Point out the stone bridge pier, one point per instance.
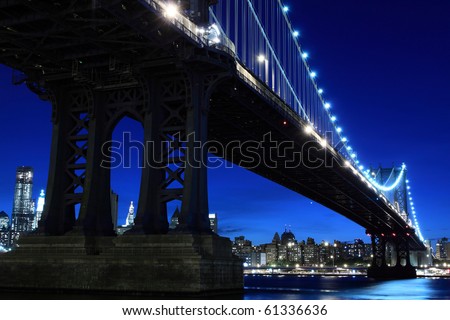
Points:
(79, 250)
(391, 257)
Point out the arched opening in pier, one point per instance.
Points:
(127, 154)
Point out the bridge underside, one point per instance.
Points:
(100, 61)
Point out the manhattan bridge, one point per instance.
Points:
(188, 71)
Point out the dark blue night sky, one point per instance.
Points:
(384, 66)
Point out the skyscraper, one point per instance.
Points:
(130, 216)
(441, 249)
(4, 221)
(23, 215)
(213, 223)
(5, 232)
(39, 209)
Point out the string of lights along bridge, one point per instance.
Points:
(261, 36)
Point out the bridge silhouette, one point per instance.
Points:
(190, 72)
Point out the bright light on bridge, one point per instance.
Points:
(320, 90)
(327, 106)
(285, 9)
(333, 118)
(171, 10)
(313, 74)
(339, 130)
(309, 129)
(305, 55)
(295, 33)
(261, 58)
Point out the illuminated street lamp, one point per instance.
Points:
(262, 59)
(171, 10)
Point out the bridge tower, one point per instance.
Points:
(391, 251)
(169, 95)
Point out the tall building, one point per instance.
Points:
(287, 237)
(282, 250)
(289, 249)
(259, 259)
(39, 209)
(174, 220)
(271, 251)
(213, 222)
(276, 238)
(23, 214)
(4, 220)
(310, 253)
(130, 216)
(243, 249)
(129, 222)
(5, 231)
(442, 247)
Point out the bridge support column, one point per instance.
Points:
(76, 176)
(194, 212)
(151, 217)
(380, 269)
(173, 109)
(403, 254)
(67, 159)
(95, 218)
(175, 129)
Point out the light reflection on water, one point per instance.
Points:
(348, 288)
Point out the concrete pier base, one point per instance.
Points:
(397, 272)
(135, 264)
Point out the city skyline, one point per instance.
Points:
(347, 50)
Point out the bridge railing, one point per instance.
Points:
(266, 43)
(180, 21)
(275, 61)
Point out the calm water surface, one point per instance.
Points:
(289, 287)
(278, 287)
